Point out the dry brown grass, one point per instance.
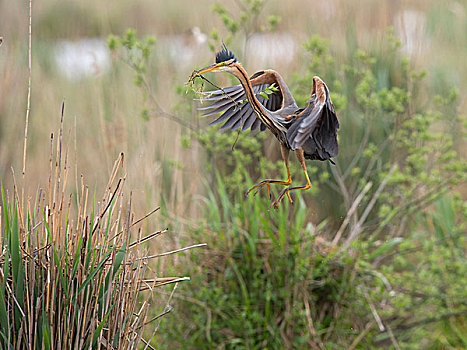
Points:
(74, 270)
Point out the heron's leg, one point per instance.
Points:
(259, 185)
(301, 159)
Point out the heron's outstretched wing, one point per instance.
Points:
(315, 128)
(233, 106)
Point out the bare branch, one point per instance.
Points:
(350, 212)
(28, 108)
(357, 229)
(173, 251)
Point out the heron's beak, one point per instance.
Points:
(210, 68)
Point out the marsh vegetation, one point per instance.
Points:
(373, 256)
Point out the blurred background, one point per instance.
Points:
(397, 73)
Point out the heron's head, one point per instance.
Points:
(225, 61)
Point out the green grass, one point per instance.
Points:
(271, 279)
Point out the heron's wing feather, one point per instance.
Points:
(304, 124)
(249, 120)
(224, 90)
(328, 132)
(233, 106)
(217, 101)
(256, 124)
(315, 129)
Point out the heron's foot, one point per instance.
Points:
(286, 191)
(280, 197)
(266, 183)
(259, 186)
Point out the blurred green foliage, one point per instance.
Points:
(137, 52)
(247, 21)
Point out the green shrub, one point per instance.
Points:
(385, 267)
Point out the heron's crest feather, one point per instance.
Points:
(224, 54)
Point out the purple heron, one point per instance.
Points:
(311, 132)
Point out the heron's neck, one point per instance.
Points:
(261, 112)
(242, 75)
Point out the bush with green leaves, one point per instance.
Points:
(385, 264)
(367, 275)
